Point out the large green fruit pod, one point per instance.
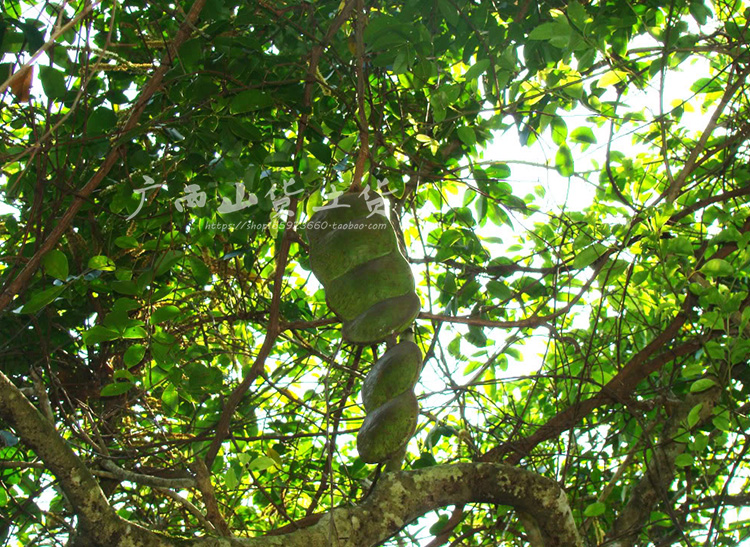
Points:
(354, 243)
(368, 282)
(374, 281)
(396, 372)
(388, 428)
(382, 319)
(343, 209)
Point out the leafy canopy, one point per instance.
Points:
(596, 341)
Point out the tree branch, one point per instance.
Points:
(673, 190)
(399, 498)
(117, 472)
(659, 473)
(186, 29)
(97, 521)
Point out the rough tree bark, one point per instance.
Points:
(398, 498)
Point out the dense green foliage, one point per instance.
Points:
(153, 317)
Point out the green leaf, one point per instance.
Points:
(250, 100)
(564, 161)
(699, 11)
(449, 12)
(40, 299)
(168, 259)
(125, 287)
(498, 170)
(436, 528)
(577, 14)
(694, 415)
(595, 509)
(165, 313)
(101, 262)
(702, 385)
(190, 53)
(261, 463)
(55, 263)
(53, 82)
(557, 33)
(34, 37)
(559, 130)
(588, 256)
(201, 272)
(126, 242)
(119, 320)
(425, 460)
(684, 460)
(612, 77)
(321, 152)
(545, 31)
(122, 374)
(170, 398)
(476, 69)
(230, 478)
(467, 135)
(717, 267)
(134, 333)
(116, 388)
(97, 334)
(101, 120)
(134, 355)
(722, 423)
(583, 135)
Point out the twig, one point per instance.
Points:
(213, 515)
(48, 44)
(364, 137)
(15, 286)
(192, 509)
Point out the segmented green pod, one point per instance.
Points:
(387, 429)
(394, 373)
(368, 283)
(382, 319)
(356, 242)
(342, 210)
(364, 286)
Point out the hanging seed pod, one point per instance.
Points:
(368, 282)
(394, 373)
(388, 428)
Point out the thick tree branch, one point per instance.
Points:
(97, 521)
(399, 498)
(119, 473)
(213, 514)
(659, 473)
